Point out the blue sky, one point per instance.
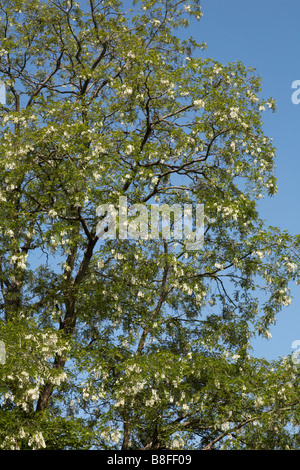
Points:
(265, 34)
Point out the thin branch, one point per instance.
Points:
(163, 294)
(47, 79)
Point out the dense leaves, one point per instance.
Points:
(135, 343)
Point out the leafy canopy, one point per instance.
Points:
(135, 344)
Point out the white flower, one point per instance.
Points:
(234, 112)
(199, 104)
(14, 259)
(66, 267)
(59, 379)
(154, 180)
(156, 22)
(115, 436)
(217, 69)
(219, 266)
(129, 149)
(225, 426)
(128, 91)
(22, 433)
(120, 402)
(52, 213)
(37, 441)
(291, 267)
(286, 302)
(235, 357)
(33, 393)
(178, 443)
(258, 402)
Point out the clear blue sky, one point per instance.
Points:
(265, 34)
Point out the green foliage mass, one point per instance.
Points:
(124, 343)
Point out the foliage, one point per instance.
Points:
(135, 343)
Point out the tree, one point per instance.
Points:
(135, 343)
